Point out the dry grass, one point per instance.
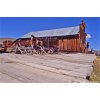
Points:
(95, 76)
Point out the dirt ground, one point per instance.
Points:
(54, 68)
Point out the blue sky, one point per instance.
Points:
(18, 26)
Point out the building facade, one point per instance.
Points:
(71, 39)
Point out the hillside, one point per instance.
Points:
(4, 39)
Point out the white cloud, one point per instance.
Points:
(88, 36)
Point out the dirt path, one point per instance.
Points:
(45, 68)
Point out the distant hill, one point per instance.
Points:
(4, 39)
(96, 52)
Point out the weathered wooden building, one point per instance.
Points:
(71, 39)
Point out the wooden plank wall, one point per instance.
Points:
(69, 45)
(72, 44)
(60, 44)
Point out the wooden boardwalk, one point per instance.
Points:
(45, 68)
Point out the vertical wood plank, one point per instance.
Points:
(75, 45)
(72, 44)
(66, 44)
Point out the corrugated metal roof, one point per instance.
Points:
(54, 32)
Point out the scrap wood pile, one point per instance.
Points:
(34, 48)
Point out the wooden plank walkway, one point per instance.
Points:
(45, 68)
